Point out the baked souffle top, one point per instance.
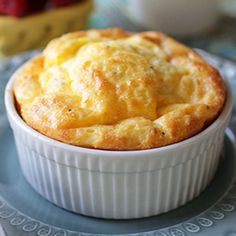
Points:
(115, 90)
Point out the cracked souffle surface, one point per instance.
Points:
(114, 90)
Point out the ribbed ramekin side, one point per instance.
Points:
(117, 195)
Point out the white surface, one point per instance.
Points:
(175, 17)
(114, 184)
(2, 232)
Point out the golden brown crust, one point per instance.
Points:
(114, 90)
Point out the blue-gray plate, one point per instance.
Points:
(24, 212)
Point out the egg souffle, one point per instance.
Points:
(116, 90)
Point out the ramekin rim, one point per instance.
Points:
(11, 111)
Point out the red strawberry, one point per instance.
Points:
(16, 8)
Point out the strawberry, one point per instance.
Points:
(15, 8)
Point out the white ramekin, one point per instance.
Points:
(118, 184)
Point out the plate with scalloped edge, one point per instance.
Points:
(23, 212)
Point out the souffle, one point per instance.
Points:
(116, 90)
